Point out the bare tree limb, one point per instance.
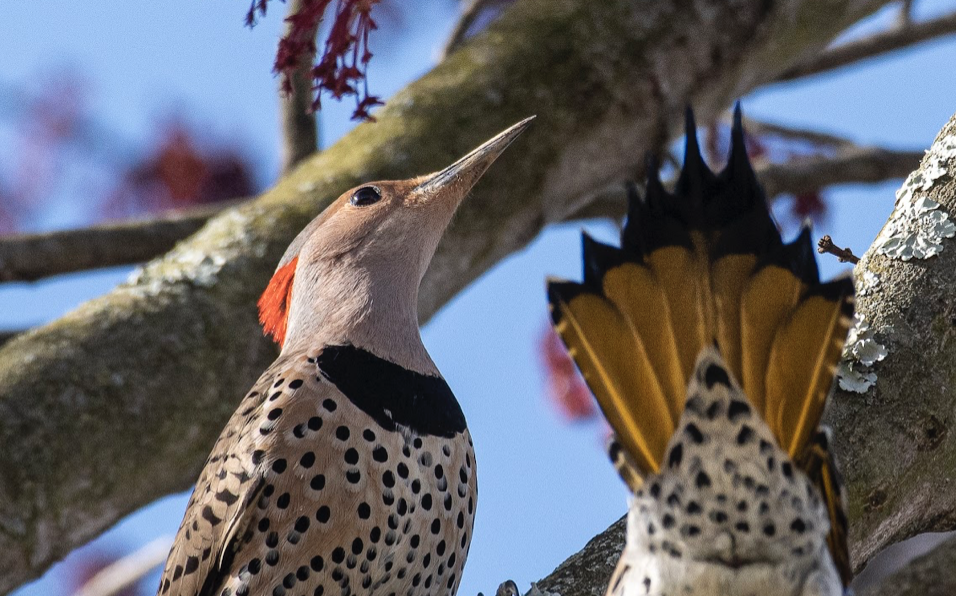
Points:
(872, 46)
(300, 131)
(28, 257)
(760, 128)
(850, 166)
(119, 401)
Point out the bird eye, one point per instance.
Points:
(367, 195)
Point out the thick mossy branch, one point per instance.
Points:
(897, 443)
(118, 402)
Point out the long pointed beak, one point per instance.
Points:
(464, 173)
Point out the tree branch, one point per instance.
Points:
(300, 130)
(29, 257)
(118, 402)
(853, 165)
(873, 46)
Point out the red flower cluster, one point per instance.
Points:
(565, 384)
(342, 68)
(177, 173)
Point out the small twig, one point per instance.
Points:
(761, 128)
(845, 255)
(872, 46)
(128, 570)
(300, 131)
(469, 16)
(28, 257)
(904, 18)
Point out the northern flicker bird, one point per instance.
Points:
(711, 347)
(348, 468)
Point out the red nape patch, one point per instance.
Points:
(274, 302)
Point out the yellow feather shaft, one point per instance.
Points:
(636, 293)
(688, 293)
(770, 295)
(615, 364)
(807, 345)
(728, 278)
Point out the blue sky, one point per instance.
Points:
(546, 487)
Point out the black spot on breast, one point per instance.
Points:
(702, 480)
(798, 526)
(379, 454)
(716, 374)
(329, 405)
(351, 456)
(279, 466)
(317, 563)
(353, 476)
(787, 469)
(208, 515)
(745, 435)
(307, 460)
(323, 514)
(675, 456)
(342, 433)
(315, 423)
(391, 394)
(694, 433)
(192, 564)
(338, 555)
(737, 409)
(713, 410)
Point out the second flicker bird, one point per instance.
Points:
(348, 468)
(711, 347)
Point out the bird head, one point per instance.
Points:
(352, 275)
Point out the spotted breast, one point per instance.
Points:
(340, 473)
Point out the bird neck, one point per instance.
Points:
(373, 310)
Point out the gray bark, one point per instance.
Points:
(118, 402)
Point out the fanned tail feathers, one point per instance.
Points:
(703, 265)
